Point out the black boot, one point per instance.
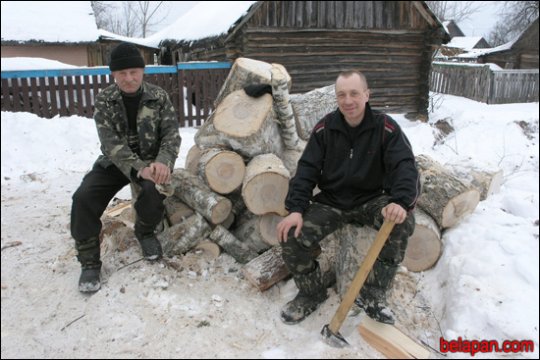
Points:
(372, 297)
(150, 245)
(89, 257)
(311, 294)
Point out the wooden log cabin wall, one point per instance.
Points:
(390, 41)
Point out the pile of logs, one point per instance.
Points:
(236, 178)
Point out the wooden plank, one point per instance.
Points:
(25, 92)
(54, 95)
(390, 341)
(45, 99)
(35, 97)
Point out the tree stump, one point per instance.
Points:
(265, 185)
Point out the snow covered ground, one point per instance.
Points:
(484, 287)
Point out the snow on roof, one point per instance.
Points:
(207, 18)
(139, 41)
(464, 42)
(49, 21)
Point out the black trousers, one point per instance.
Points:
(97, 189)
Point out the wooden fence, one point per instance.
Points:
(47, 93)
(481, 83)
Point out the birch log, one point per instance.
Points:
(248, 231)
(283, 109)
(265, 185)
(192, 191)
(222, 170)
(311, 107)
(245, 72)
(176, 210)
(180, 238)
(487, 182)
(424, 247)
(192, 159)
(446, 199)
(234, 247)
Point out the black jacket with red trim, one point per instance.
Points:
(351, 170)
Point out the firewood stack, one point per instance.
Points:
(236, 178)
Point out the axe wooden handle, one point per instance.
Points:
(361, 276)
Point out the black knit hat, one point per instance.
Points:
(125, 56)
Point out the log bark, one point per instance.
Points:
(446, 199)
(283, 108)
(311, 107)
(424, 247)
(234, 247)
(192, 159)
(192, 191)
(269, 268)
(245, 72)
(222, 170)
(390, 341)
(176, 211)
(265, 185)
(249, 232)
(486, 182)
(180, 238)
(354, 243)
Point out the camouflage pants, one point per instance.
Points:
(321, 220)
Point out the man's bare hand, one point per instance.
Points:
(291, 220)
(161, 173)
(394, 212)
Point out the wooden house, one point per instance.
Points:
(62, 31)
(521, 53)
(392, 42)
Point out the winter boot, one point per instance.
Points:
(150, 245)
(311, 294)
(372, 297)
(88, 256)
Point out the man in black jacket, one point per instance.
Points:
(365, 168)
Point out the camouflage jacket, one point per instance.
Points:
(157, 126)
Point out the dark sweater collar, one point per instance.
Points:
(338, 121)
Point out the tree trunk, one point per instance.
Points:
(446, 199)
(190, 189)
(311, 107)
(265, 185)
(234, 247)
(180, 238)
(424, 247)
(247, 72)
(354, 243)
(223, 170)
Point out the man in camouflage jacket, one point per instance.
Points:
(365, 168)
(138, 130)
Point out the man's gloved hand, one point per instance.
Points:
(258, 90)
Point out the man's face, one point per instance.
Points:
(352, 95)
(129, 80)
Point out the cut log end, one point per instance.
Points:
(423, 250)
(265, 194)
(239, 115)
(221, 211)
(460, 206)
(225, 172)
